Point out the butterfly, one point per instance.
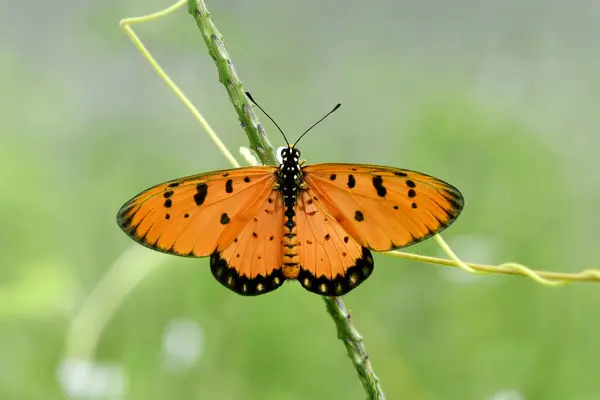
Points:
(317, 224)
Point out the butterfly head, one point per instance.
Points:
(290, 155)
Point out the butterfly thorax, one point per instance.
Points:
(289, 182)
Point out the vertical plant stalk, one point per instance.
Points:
(266, 153)
(259, 142)
(355, 347)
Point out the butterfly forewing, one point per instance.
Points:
(195, 215)
(384, 208)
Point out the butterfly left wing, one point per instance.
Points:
(196, 215)
(252, 263)
(384, 208)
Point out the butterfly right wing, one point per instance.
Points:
(332, 263)
(384, 208)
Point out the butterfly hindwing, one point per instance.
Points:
(331, 262)
(196, 215)
(384, 208)
(251, 264)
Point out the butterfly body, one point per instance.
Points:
(315, 224)
(289, 184)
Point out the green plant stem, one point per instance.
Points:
(259, 142)
(266, 153)
(355, 347)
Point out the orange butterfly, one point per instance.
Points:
(315, 224)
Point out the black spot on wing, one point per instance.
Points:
(351, 181)
(378, 185)
(229, 186)
(200, 196)
(358, 215)
(224, 219)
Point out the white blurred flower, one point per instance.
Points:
(182, 344)
(507, 394)
(279, 159)
(84, 379)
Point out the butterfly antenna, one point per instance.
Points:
(338, 105)
(268, 116)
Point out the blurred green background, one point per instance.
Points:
(498, 98)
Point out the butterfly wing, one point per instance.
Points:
(384, 208)
(196, 215)
(252, 263)
(331, 261)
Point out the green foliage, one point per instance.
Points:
(86, 124)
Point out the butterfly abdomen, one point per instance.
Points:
(291, 260)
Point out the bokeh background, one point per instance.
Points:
(498, 98)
